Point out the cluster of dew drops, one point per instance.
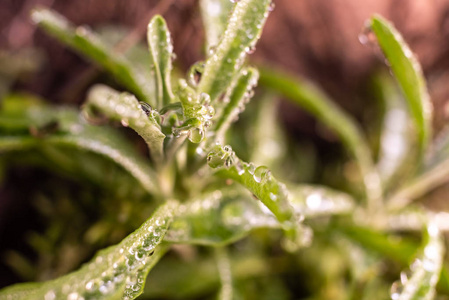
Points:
(429, 262)
(125, 267)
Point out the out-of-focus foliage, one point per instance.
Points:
(214, 224)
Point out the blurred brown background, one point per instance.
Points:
(314, 38)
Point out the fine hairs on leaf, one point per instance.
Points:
(212, 222)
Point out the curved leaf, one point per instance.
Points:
(319, 105)
(225, 274)
(263, 185)
(90, 45)
(425, 271)
(218, 219)
(161, 52)
(116, 272)
(243, 31)
(215, 14)
(70, 130)
(314, 201)
(223, 217)
(235, 102)
(434, 173)
(125, 108)
(408, 72)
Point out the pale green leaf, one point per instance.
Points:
(425, 270)
(215, 14)
(242, 32)
(86, 42)
(235, 102)
(313, 100)
(313, 201)
(161, 53)
(125, 108)
(398, 141)
(434, 173)
(269, 138)
(408, 72)
(259, 181)
(218, 219)
(223, 217)
(118, 272)
(225, 274)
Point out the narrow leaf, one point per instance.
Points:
(86, 42)
(408, 72)
(71, 131)
(398, 141)
(263, 185)
(218, 219)
(116, 272)
(243, 30)
(223, 217)
(269, 138)
(434, 173)
(161, 52)
(319, 105)
(313, 201)
(126, 109)
(425, 271)
(225, 274)
(215, 14)
(235, 102)
(401, 250)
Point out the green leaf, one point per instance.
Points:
(235, 102)
(71, 131)
(398, 249)
(408, 72)
(197, 276)
(398, 141)
(215, 14)
(425, 271)
(218, 219)
(314, 201)
(161, 52)
(313, 100)
(125, 108)
(243, 31)
(269, 139)
(263, 185)
(224, 270)
(87, 43)
(118, 272)
(433, 174)
(223, 217)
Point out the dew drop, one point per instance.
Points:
(212, 50)
(314, 201)
(260, 174)
(396, 290)
(50, 295)
(405, 275)
(196, 135)
(125, 122)
(250, 50)
(251, 168)
(367, 36)
(73, 296)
